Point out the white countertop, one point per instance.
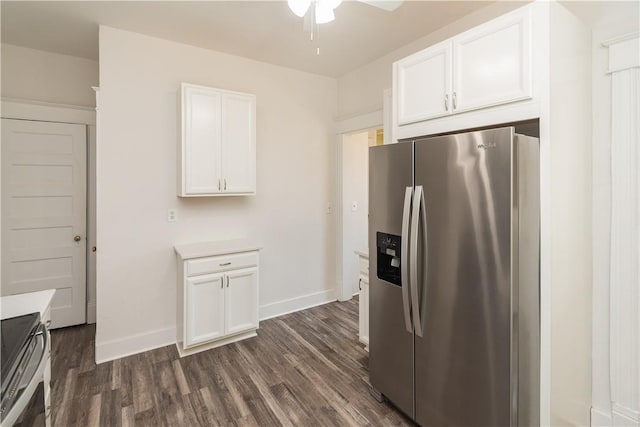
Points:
(20, 304)
(202, 249)
(363, 252)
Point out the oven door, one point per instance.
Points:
(24, 402)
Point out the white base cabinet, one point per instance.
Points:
(217, 294)
(363, 300)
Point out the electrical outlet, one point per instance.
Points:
(354, 205)
(172, 215)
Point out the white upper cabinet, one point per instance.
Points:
(492, 63)
(217, 155)
(423, 84)
(485, 66)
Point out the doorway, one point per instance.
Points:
(44, 214)
(354, 203)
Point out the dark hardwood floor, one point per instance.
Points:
(303, 369)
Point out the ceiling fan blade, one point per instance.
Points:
(388, 5)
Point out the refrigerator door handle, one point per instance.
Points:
(417, 208)
(404, 274)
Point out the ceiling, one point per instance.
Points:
(262, 30)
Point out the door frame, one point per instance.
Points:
(20, 109)
(344, 290)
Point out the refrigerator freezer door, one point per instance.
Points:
(462, 362)
(390, 343)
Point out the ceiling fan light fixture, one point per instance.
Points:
(324, 11)
(299, 7)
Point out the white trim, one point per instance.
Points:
(292, 305)
(362, 122)
(134, 344)
(41, 111)
(624, 55)
(214, 344)
(91, 312)
(622, 38)
(600, 418)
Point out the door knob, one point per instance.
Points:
(76, 238)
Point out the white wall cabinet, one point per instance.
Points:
(217, 154)
(485, 66)
(217, 294)
(363, 299)
(423, 84)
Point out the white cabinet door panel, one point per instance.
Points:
(238, 147)
(242, 300)
(423, 82)
(492, 63)
(205, 309)
(202, 141)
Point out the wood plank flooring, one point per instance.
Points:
(303, 369)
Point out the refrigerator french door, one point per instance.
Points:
(454, 283)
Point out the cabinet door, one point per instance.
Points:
(492, 63)
(201, 136)
(422, 84)
(242, 300)
(238, 143)
(204, 309)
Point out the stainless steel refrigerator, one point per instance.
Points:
(454, 278)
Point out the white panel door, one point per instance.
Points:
(423, 83)
(202, 133)
(205, 309)
(492, 63)
(44, 182)
(242, 300)
(238, 143)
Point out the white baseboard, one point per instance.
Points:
(115, 349)
(291, 305)
(91, 312)
(600, 418)
(629, 419)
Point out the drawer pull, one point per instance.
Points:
(225, 263)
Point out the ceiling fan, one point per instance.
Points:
(322, 10)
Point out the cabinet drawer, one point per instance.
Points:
(220, 263)
(363, 266)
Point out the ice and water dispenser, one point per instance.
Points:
(389, 257)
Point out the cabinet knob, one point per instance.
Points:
(225, 184)
(93, 248)
(446, 102)
(76, 238)
(454, 101)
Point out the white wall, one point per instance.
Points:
(361, 90)
(36, 75)
(136, 181)
(355, 188)
(615, 21)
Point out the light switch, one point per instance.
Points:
(354, 206)
(172, 215)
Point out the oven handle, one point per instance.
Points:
(25, 394)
